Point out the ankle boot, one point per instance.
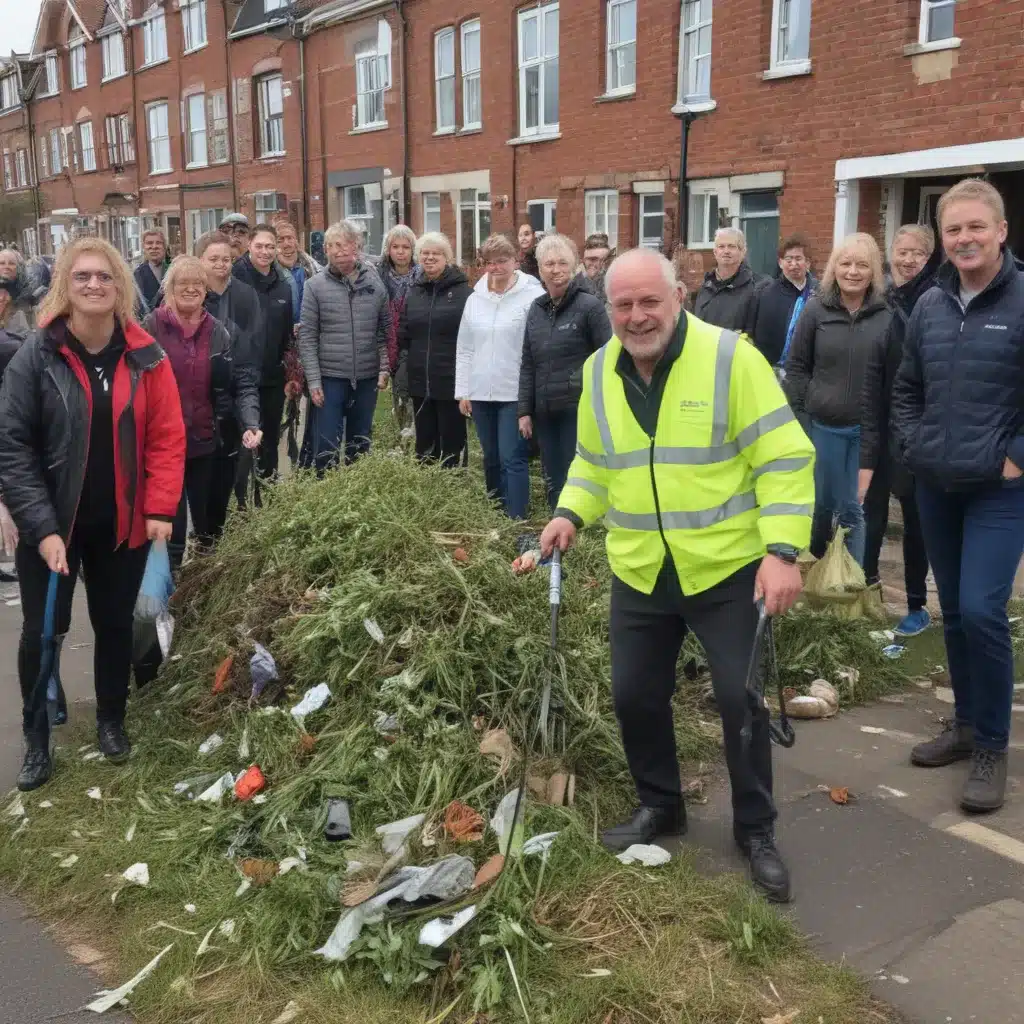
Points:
(954, 743)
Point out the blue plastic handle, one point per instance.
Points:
(50, 614)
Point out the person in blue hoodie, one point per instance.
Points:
(958, 421)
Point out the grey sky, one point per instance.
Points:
(19, 23)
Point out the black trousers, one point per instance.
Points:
(440, 430)
(195, 495)
(222, 478)
(647, 632)
(112, 581)
(915, 558)
(266, 459)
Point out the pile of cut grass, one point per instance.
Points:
(317, 576)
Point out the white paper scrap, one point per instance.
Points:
(288, 1014)
(190, 908)
(259, 798)
(215, 793)
(46, 804)
(205, 944)
(16, 809)
(313, 700)
(243, 887)
(69, 861)
(539, 844)
(94, 793)
(165, 632)
(374, 630)
(93, 755)
(211, 743)
(438, 931)
(288, 863)
(111, 997)
(227, 928)
(130, 834)
(137, 874)
(243, 745)
(394, 834)
(641, 853)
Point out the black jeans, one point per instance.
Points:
(196, 496)
(647, 632)
(271, 413)
(440, 430)
(112, 581)
(222, 477)
(915, 558)
(556, 436)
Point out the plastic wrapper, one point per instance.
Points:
(157, 585)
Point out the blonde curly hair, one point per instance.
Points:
(58, 299)
(183, 268)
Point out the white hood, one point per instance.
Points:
(490, 347)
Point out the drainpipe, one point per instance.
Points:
(135, 139)
(33, 166)
(230, 90)
(685, 119)
(304, 227)
(406, 184)
(323, 147)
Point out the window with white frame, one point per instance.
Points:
(8, 176)
(159, 138)
(86, 146)
(113, 55)
(9, 92)
(44, 156)
(193, 24)
(77, 56)
(601, 209)
(21, 166)
(218, 101)
(538, 70)
(652, 220)
(621, 54)
(541, 214)
(363, 205)
(68, 149)
(30, 241)
(112, 135)
(270, 98)
(195, 112)
(126, 132)
(154, 38)
(265, 204)
(703, 219)
(444, 79)
(431, 211)
(373, 76)
(474, 223)
(791, 34)
(273, 5)
(52, 81)
(201, 221)
(472, 115)
(57, 164)
(695, 52)
(937, 17)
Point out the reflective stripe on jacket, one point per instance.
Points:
(728, 471)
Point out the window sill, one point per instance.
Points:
(47, 95)
(378, 126)
(937, 46)
(471, 129)
(794, 70)
(526, 140)
(75, 88)
(112, 78)
(620, 94)
(196, 167)
(269, 156)
(445, 131)
(195, 49)
(697, 107)
(159, 174)
(154, 63)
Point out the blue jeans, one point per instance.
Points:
(837, 460)
(506, 455)
(556, 436)
(974, 541)
(347, 414)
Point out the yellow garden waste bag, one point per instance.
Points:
(836, 584)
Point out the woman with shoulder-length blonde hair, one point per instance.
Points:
(214, 389)
(836, 334)
(400, 272)
(92, 454)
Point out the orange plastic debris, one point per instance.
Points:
(250, 783)
(459, 554)
(259, 872)
(839, 795)
(220, 678)
(462, 823)
(489, 870)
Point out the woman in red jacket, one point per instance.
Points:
(92, 456)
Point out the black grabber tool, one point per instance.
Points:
(764, 655)
(555, 601)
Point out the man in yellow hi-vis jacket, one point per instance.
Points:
(705, 481)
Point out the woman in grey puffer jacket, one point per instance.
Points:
(824, 375)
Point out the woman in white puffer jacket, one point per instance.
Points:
(487, 361)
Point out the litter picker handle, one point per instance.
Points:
(555, 586)
(781, 733)
(50, 612)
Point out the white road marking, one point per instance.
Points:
(891, 791)
(997, 842)
(896, 734)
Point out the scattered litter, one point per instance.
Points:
(394, 834)
(539, 844)
(376, 633)
(165, 632)
(214, 793)
(386, 724)
(243, 745)
(94, 793)
(220, 677)
(900, 979)
(806, 706)
(16, 809)
(839, 795)
(496, 743)
(288, 1014)
(438, 931)
(111, 997)
(262, 669)
(353, 866)
(211, 743)
(69, 861)
(250, 783)
(205, 944)
(169, 927)
(260, 798)
(526, 562)
(93, 755)
(192, 787)
(893, 651)
(824, 690)
(639, 853)
(289, 863)
(882, 635)
(130, 834)
(446, 879)
(891, 791)
(258, 871)
(489, 870)
(190, 908)
(244, 886)
(460, 555)
(462, 823)
(45, 804)
(313, 700)
(137, 874)
(597, 972)
(896, 734)
(227, 928)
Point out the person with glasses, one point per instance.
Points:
(729, 295)
(488, 358)
(92, 458)
(236, 227)
(150, 272)
(781, 303)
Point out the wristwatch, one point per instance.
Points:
(786, 552)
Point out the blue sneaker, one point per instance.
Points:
(914, 623)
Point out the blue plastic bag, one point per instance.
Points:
(157, 585)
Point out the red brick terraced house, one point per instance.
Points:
(824, 116)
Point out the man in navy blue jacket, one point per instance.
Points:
(958, 421)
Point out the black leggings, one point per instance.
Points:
(915, 558)
(440, 430)
(112, 580)
(196, 496)
(266, 457)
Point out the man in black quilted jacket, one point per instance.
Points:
(958, 423)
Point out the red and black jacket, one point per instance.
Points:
(45, 419)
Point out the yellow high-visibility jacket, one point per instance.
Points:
(728, 472)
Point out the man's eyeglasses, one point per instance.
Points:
(794, 259)
(85, 276)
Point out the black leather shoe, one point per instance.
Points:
(113, 743)
(768, 871)
(646, 824)
(36, 769)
